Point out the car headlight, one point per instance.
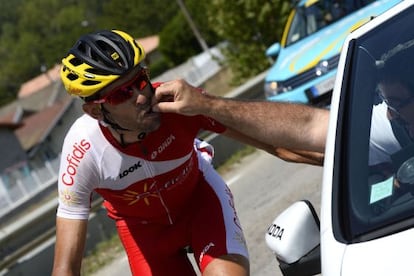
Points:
(274, 88)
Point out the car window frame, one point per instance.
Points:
(347, 161)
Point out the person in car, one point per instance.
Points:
(393, 134)
(396, 87)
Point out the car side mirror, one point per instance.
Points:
(273, 50)
(294, 237)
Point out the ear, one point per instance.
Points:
(94, 110)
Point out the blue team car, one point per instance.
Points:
(306, 59)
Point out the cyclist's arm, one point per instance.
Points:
(289, 155)
(300, 156)
(277, 124)
(69, 247)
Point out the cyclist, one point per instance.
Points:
(162, 194)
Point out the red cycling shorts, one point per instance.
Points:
(210, 227)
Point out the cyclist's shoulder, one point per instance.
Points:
(84, 124)
(85, 129)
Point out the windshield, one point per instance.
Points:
(310, 18)
(377, 178)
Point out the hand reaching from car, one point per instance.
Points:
(179, 97)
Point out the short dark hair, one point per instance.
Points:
(398, 65)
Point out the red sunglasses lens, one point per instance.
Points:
(141, 83)
(125, 92)
(119, 96)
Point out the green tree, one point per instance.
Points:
(177, 40)
(138, 17)
(43, 32)
(8, 12)
(249, 27)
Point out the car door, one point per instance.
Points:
(367, 214)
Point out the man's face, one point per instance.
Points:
(133, 111)
(400, 101)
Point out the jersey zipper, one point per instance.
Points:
(149, 169)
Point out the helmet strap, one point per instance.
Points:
(109, 122)
(117, 127)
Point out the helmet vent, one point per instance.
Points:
(90, 82)
(75, 61)
(72, 76)
(138, 47)
(95, 71)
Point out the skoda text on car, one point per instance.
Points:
(367, 206)
(307, 57)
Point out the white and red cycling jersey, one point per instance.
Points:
(162, 192)
(148, 181)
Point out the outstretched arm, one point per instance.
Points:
(289, 155)
(300, 156)
(280, 125)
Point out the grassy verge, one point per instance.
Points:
(104, 253)
(235, 159)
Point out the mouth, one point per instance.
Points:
(145, 110)
(148, 112)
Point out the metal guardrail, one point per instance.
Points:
(20, 233)
(18, 188)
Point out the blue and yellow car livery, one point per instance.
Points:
(308, 54)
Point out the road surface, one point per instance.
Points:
(263, 186)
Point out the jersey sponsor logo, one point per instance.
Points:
(180, 178)
(73, 159)
(238, 234)
(133, 197)
(154, 190)
(130, 169)
(165, 144)
(68, 197)
(205, 250)
(231, 203)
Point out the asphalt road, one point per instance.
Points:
(263, 186)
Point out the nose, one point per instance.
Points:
(141, 99)
(144, 96)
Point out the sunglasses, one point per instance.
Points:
(126, 91)
(397, 105)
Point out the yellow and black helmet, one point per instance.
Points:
(98, 59)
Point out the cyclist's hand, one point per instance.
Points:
(179, 97)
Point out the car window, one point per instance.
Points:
(315, 15)
(376, 186)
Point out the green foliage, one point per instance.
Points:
(158, 67)
(38, 35)
(178, 41)
(249, 26)
(138, 17)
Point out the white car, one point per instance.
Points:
(367, 207)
